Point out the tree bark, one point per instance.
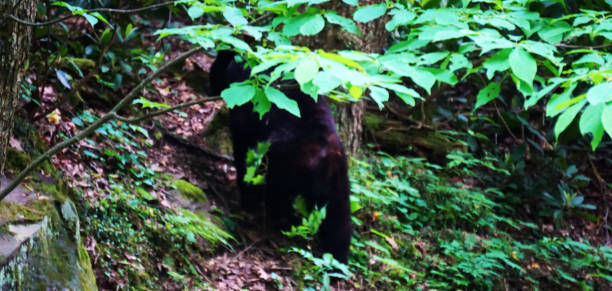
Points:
(15, 41)
(374, 38)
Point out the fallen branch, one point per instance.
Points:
(111, 115)
(163, 111)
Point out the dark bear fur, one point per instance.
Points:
(305, 158)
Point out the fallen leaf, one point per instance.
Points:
(14, 143)
(392, 242)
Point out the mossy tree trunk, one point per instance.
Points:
(349, 116)
(15, 41)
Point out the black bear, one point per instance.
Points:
(305, 156)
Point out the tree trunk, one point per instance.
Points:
(373, 39)
(15, 41)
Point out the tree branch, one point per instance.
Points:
(162, 111)
(112, 114)
(110, 10)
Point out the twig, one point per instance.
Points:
(111, 10)
(248, 248)
(505, 124)
(582, 46)
(160, 112)
(112, 114)
(605, 191)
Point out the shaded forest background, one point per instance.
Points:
(478, 134)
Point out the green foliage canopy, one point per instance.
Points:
(563, 61)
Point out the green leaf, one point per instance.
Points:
(234, 16)
(306, 70)
(326, 82)
(423, 78)
(444, 76)
(351, 2)
(554, 33)
(370, 12)
(542, 49)
(459, 61)
(100, 17)
(558, 99)
(106, 37)
(345, 23)
(195, 11)
(406, 94)
(281, 100)
(91, 19)
(566, 118)
(606, 119)
(146, 103)
(523, 65)
(490, 39)
(340, 59)
(261, 104)
(291, 3)
(265, 65)
(536, 96)
(400, 17)
(600, 93)
(312, 25)
(294, 24)
(582, 20)
(591, 122)
(594, 58)
(64, 78)
(419, 76)
(379, 95)
(431, 58)
(446, 34)
(498, 62)
(238, 94)
(355, 91)
(487, 94)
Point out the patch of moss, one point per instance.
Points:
(17, 160)
(55, 191)
(87, 280)
(14, 211)
(371, 121)
(190, 191)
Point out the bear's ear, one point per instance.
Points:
(222, 61)
(218, 72)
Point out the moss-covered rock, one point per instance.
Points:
(190, 191)
(41, 248)
(48, 260)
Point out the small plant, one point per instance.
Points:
(310, 225)
(565, 201)
(256, 166)
(322, 269)
(187, 224)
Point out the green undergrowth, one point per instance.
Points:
(141, 241)
(419, 228)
